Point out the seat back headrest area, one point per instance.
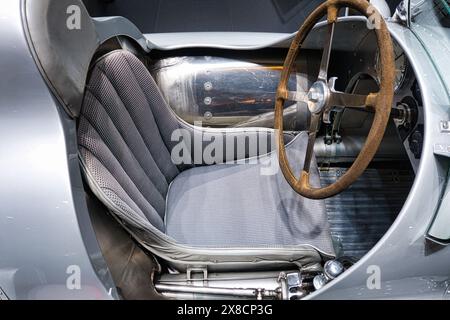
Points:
(64, 40)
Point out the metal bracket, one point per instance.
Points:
(333, 117)
(291, 285)
(192, 270)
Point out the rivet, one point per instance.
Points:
(207, 101)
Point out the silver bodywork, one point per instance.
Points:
(411, 267)
(45, 230)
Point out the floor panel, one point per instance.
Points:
(362, 214)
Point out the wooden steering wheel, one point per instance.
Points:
(322, 98)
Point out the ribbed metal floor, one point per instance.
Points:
(361, 215)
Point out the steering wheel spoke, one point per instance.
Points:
(313, 128)
(351, 100)
(323, 73)
(296, 96)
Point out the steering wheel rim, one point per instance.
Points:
(323, 98)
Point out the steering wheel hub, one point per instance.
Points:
(318, 97)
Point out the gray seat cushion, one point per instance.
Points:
(239, 205)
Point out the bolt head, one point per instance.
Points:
(207, 101)
(333, 268)
(208, 115)
(319, 281)
(208, 86)
(313, 95)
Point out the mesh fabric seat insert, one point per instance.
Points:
(235, 205)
